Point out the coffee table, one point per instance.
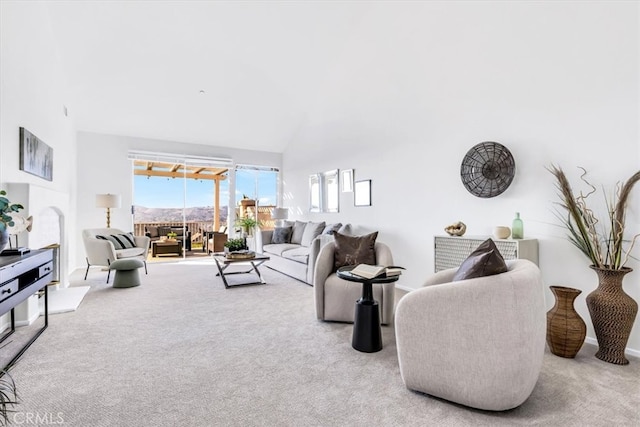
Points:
(222, 262)
(159, 247)
(367, 332)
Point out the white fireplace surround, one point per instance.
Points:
(48, 208)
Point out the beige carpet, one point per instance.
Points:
(181, 350)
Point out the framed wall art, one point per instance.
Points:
(36, 157)
(347, 181)
(314, 192)
(362, 193)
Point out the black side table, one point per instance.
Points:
(367, 333)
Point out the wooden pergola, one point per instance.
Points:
(179, 170)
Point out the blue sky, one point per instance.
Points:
(158, 192)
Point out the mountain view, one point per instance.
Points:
(205, 213)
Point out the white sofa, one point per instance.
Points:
(297, 259)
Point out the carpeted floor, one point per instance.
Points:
(181, 350)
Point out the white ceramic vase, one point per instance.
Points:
(501, 232)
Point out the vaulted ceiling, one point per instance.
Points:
(243, 74)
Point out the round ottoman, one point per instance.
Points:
(126, 272)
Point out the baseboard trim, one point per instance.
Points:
(404, 288)
(28, 321)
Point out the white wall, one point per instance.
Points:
(556, 82)
(103, 167)
(33, 92)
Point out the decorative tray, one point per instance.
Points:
(241, 255)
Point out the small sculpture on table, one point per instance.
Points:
(456, 229)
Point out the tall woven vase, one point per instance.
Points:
(565, 328)
(612, 313)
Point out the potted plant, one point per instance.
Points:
(6, 220)
(232, 245)
(604, 243)
(8, 396)
(171, 235)
(247, 223)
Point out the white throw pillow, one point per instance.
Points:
(298, 231)
(311, 231)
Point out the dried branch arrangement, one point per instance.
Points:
(603, 243)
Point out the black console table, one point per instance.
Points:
(21, 276)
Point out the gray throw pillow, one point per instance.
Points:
(281, 235)
(354, 250)
(486, 260)
(346, 229)
(331, 228)
(298, 231)
(311, 231)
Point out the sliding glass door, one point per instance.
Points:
(256, 194)
(183, 195)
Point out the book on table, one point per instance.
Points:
(370, 271)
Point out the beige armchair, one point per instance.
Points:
(335, 298)
(478, 342)
(103, 252)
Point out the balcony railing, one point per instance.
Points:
(197, 227)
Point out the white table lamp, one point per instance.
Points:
(279, 214)
(108, 201)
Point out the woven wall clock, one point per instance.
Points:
(487, 169)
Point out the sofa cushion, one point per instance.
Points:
(153, 231)
(300, 254)
(311, 231)
(281, 235)
(279, 248)
(354, 250)
(131, 252)
(120, 241)
(331, 228)
(486, 260)
(298, 231)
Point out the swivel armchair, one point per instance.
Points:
(478, 342)
(335, 298)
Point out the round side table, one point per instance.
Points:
(367, 333)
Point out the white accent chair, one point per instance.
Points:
(336, 298)
(102, 252)
(478, 342)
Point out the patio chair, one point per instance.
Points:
(213, 241)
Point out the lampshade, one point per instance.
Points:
(107, 200)
(280, 213)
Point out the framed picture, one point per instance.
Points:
(362, 193)
(36, 157)
(314, 193)
(330, 191)
(347, 181)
